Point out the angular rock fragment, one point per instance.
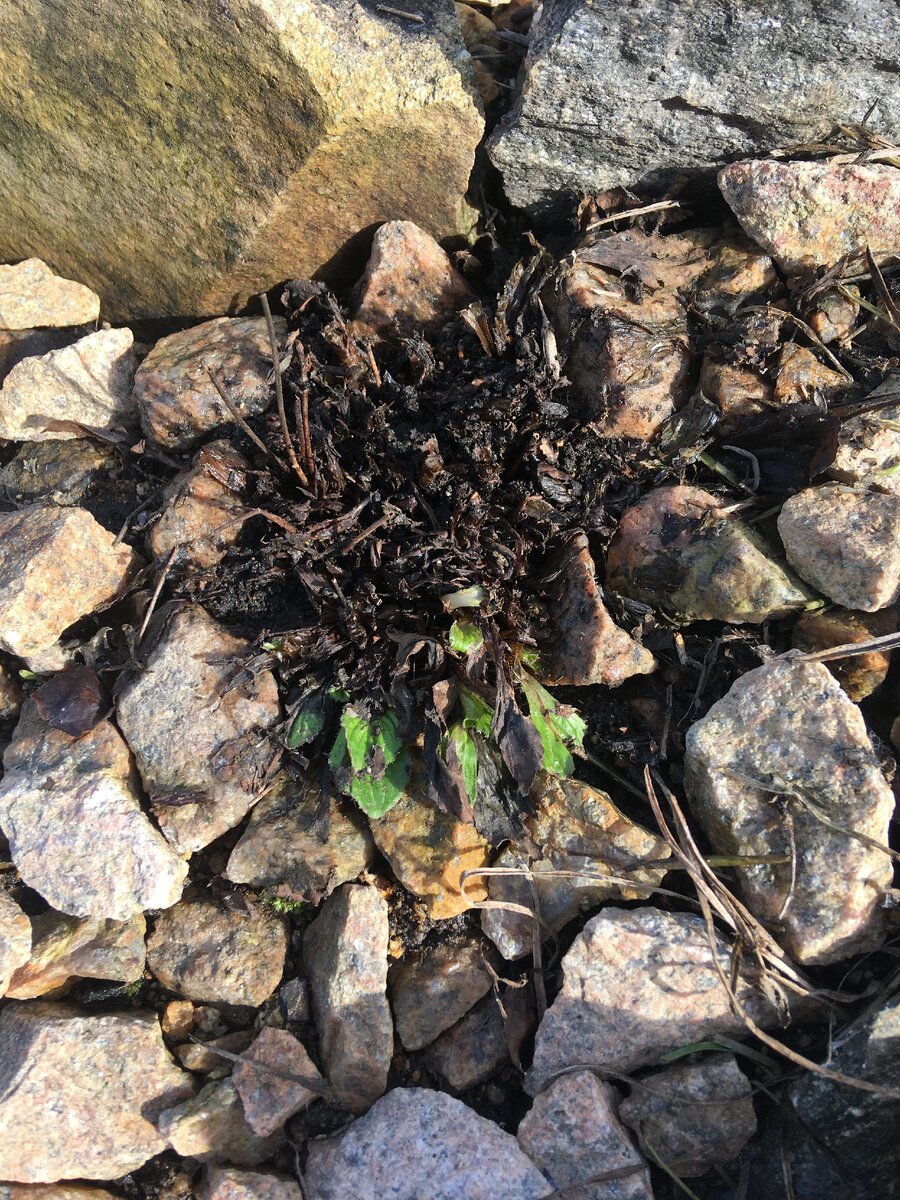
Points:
(480, 36)
(201, 509)
(66, 948)
(740, 393)
(428, 851)
(472, 1050)
(53, 1191)
(177, 1019)
(291, 843)
(197, 726)
(802, 378)
(678, 550)
(845, 543)
(176, 398)
(109, 1074)
(216, 955)
(590, 648)
(737, 269)
(638, 984)
(10, 696)
(33, 297)
(15, 940)
(868, 451)
(368, 117)
(860, 674)
(607, 102)
(695, 1117)
(579, 829)
(293, 1000)
(268, 1100)
(56, 565)
(409, 282)
(574, 1135)
(227, 1183)
(31, 343)
(783, 765)
(206, 1057)
(71, 811)
(433, 993)
(415, 1143)
(810, 214)
(211, 1128)
(57, 471)
(834, 316)
(345, 951)
(88, 382)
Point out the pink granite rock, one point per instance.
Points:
(201, 508)
(636, 985)
(33, 297)
(432, 993)
(66, 948)
(574, 1135)
(783, 765)
(845, 542)
(211, 1128)
(472, 1050)
(15, 940)
(415, 1143)
(81, 1092)
(268, 1100)
(810, 214)
(229, 1183)
(868, 451)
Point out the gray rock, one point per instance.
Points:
(227, 1183)
(303, 847)
(88, 382)
(197, 728)
(293, 1000)
(345, 951)
(216, 955)
(432, 993)
(415, 1143)
(574, 1135)
(473, 1049)
(695, 1116)
(677, 550)
(109, 1075)
(32, 297)
(15, 940)
(57, 471)
(66, 948)
(788, 731)
(211, 1128)
(619, 95)
(638, 984)
(70, 808)
(56, 565)
(268, 1100)
(177, 400)
(846, 543)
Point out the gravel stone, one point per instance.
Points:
(177, 400)
(53, 1191)
(845, 543)
(409, 282)
(289, 844)
(56, 566)
(579, 828)
(66, 948)
(31, 343)
(10, 696)
(197, 504)
(203, 1057)
(33, 297)
(472, 1050)
(415, 1143)
(71, 811)
(89, 382)
(861, 674)
(227, 1183)
(810, 214)
(676, 549)
(196, 726)
(590, 648)
(787, 729)
(57, 471)
(211, 1128)
(109, 1075)
(432, 993)
(345, 951)
(638, 984)
(267, 1100)
(696, 1116)
(868, 452)
(573, 1133)
(802, 378)
(15, 940)
(218, 956)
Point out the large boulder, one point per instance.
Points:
(625, 94)
(202, 150)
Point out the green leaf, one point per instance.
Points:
(557, 758)
(477, 715)
(465, 637)
(570, 726)
(307, 724)
(387, 738)
(376, 796)
(338, 755)
(360, 738)
(467, 753)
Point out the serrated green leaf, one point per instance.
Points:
(477, 715)
(387, 737)
(465, 637)
(360, 738)
(338, 755)
(467, 753)
(306, 725)
(376, 796)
